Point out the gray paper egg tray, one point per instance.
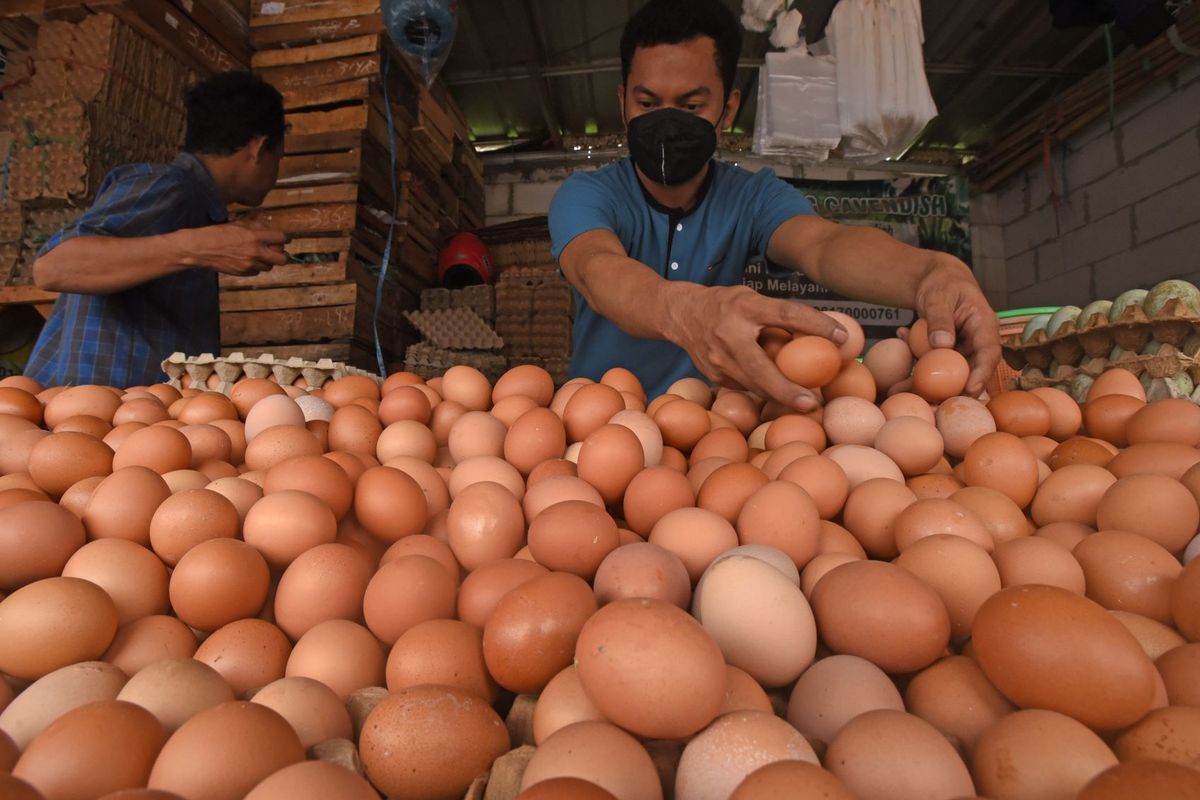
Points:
(235, 366)
(455, 329)
(429, 361)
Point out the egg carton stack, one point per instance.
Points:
(1155, 334)
(534, 312)
(10, 242)
(455, 335)
(479, 299)
(220, 373)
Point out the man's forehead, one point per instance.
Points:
(691, 63)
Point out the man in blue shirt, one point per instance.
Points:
(656, 244)
(138, 271)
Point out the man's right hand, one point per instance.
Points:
(237, 248)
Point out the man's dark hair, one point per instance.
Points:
(679, 21)
(229, 109)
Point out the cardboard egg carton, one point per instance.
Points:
(234, 367)
(455, 329)
(430, 361)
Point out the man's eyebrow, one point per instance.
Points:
(639, 89)
(703, 91)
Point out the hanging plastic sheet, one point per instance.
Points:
(883, 95)
(424, 31)
(797, 106)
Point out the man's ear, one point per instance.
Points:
(621, 104)
(732, 104)
(255, 148)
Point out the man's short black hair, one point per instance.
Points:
(679, 21)
(229, 109)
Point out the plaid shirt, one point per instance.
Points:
(120, 339)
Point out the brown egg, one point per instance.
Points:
(284, 524)
(389, 504)
(683, 424)
(405, 403)
(150, 639)
(870, 511)
(728, 488)
(1116, 380)
(1001, 517)
(591, 760)
(131, 574)
(781, 515)
(355, 430)
(1020, 413)
(20, 403)
(895, 754)
(280, 443)
(931, 517)
(341, 654)
(1159, 508)
(854, 380)
(1178, 668)
(836, 689)
(643, 569)
(739, 408)
(610, 458)
(310, 780)
(962, 421)
(1155, 637)
(719, 758)
(485, 524)
(206, 407)
(1108, 417)
(1128, 572)
(795, 779)
(407, 591)
(443, 418)
(822, 565)
(1079, 450)
(956, 697)
(1002, 462)
(562, 703)
(1037, 753)
(849, 604)
(344, 391)
(37, 539)
(1048, 648)
(248, 391)
(217, 582)
(696, 535)
(61, 459)
(914, 444)
(1037, 560)
(591, 407)
(55, 694)
(424, 545)
(248, 653)
(271, 411)
(959, 570)
(1158, 458)
(861, 464)
(890, 361)
(529, 380)
(224, 751)
(1170, 420)
(189, 517)
(824, 481)
(810, 361)
(11, 497)
(54, 622)
(1131, 779)
(651, 668)
(121, 758)
(445, 652)
(242, 493)
(795, 428)
(537, 435)
(468, 386)
(1185, 601)
(483, 589)
(940, 374)
(236, 432)
(852, 420)
(1065, 415)
(674, 459)
(96, 401)
(560, 603)
(181, 480)
(1071, 494)
(486, 468)
(16, 446)
(934, 486)
(315, 475)
(310, 707)
(573, 536)
(726, 443)
(653, 493)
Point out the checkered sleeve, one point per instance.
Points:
(137, 204)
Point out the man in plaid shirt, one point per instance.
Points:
(138, 271)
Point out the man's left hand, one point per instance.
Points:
(958, 315)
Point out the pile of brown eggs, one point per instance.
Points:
(448, 588)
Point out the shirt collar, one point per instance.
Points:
(210, 196)
(675, 213)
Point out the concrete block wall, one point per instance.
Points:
(1129, 214)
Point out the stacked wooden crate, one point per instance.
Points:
(330, 59)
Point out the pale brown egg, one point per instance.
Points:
(486, 468)
(485, 524)
(1117, 381)
(590, 760)
(796, 779)
(446, 652)
(692, 389)
(96, 401)
(557, 489)
(248, 653)
(483, 589)
(718, 759)
(1048, 648)
(55, 694)
(52, 623)
(563, 702)
(343, 655)
(310, 780)
(1154, 637)
(530, 636)
(823, 479)
(236, 431)
(37, 539)
(870, 511)
(962, 421)
(932, 517)
(206, 407)
(1127, 572)
(310, 707)
(912, 443)
(852, 420)
(1038, 560)
(959, 570)
(1038, 753)
(410, 439)
(651, 668)
(131, 574)
(1071, 494)
(225, 751)
(954, 696)
(1001, 517)
(862, 464)
(696, 535)
(572, 536)
(468, 386)
(1159, 508)
(121, 758)
(150, 639)
(896, 754)
(883, 613)
(271, 411)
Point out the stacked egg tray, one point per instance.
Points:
(455, 329)
(479, 299)
(232, 368)
(429, 361)
(10, 240)
(1159, 342)
(534, 310)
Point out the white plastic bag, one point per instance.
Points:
(797, 106)
(883, 94)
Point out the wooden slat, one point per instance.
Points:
(342, 164)
(173, 30)
(316, 52)
(288, 325)
(332, 218)
(321, 142)
(25, 295)
(309, 195)
(326, 95)
(320, 244)
(291, 275)
(350, 118)
(221, 24)
(321, 73)
(281, 12)
(334, 294)
(314, 30)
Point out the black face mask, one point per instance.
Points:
(671, 146)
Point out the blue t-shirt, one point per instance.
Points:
(737, 214)
(120, 339)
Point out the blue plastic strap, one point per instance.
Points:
(387, 246)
